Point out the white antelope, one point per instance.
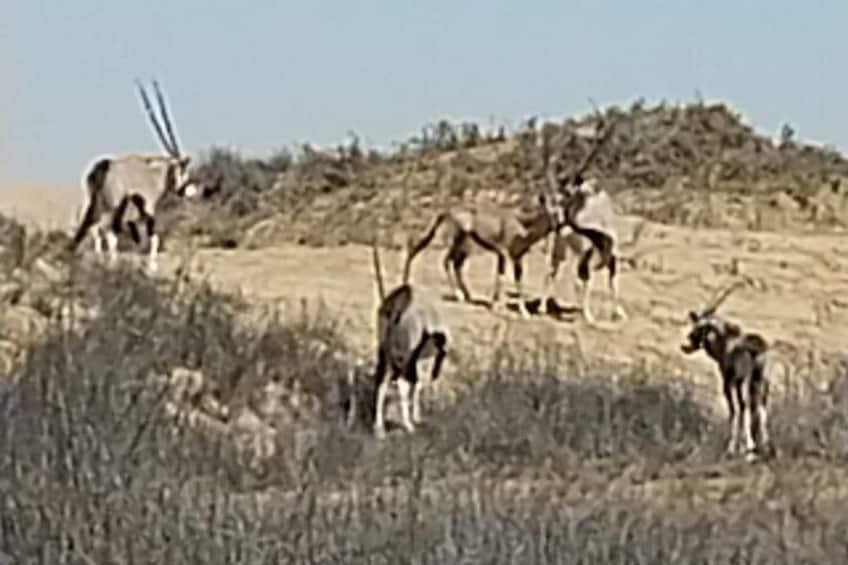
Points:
(125, 189)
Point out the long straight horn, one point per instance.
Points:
(378, 271)
(148, 107)
(549, 161)
(593, 153)
(550, 176)
(721, 297)
(600, 141)
(166, 118)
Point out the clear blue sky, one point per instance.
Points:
(259, 75)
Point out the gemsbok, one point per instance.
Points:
(121, 190)
(742, 359)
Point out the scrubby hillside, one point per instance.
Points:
(169, 420)
(174, 423)
(694, 164)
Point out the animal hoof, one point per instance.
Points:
(379, 433)
(619, 314)
(751, 456)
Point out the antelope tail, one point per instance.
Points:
(93, 185)
(413, 250)
(378, 272)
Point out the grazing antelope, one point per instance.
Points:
(409, 329)
(741, 359)
(508, 233)
(127, 188)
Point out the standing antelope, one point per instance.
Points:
(409, 329)
(592, 235)
(741, 359)
(508, 233)
(590, 220)
(115, 187)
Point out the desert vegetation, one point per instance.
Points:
(220, 437)
(167, 419)
(695, 164)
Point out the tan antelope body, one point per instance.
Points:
(409, 329)
(121, 190)
(507, 233)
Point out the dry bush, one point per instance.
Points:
(533, 464)
(657, 156)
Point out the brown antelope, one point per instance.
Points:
(508, 233)
(742, 359)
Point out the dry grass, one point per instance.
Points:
(538, 462)
(693, 164)
(538, 454)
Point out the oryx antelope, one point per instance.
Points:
(508, 233)
(742, 359)
(409, 329)
(121, 190)
(591, 234)
(590, 224)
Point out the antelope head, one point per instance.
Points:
(174, 161)
(708, 330)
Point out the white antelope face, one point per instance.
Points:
(185, 185)
(705, 333)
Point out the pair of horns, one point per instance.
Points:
(602, 136)
(170, 142)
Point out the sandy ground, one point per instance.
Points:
(41, 205)
(795, 296)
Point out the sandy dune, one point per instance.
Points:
(45, 206)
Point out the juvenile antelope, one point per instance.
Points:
(124, 189)
(409, 329)
(741, 359)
